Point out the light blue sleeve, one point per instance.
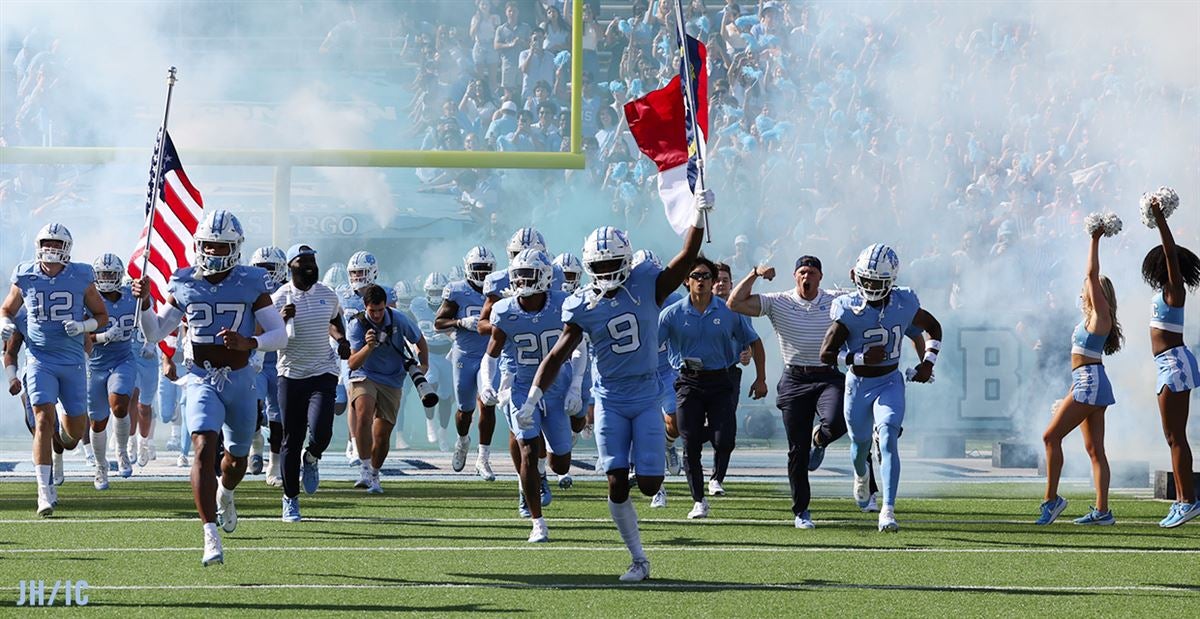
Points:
(837, 308)
(406, 327)
(356, 333)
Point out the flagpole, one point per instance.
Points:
(158, 163)
(681, 31)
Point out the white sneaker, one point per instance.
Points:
(58, 476)
(637, 572)
(715, 488)
(540, 532)
(862, 490)
(887, 520)
(101, 481)
(273, 478)
(804, 521)
(373, 485)
(143, 452)
(483, 469)
(459, 459)
(213, 553)
(182, 461)
(131, 446)
(89, 454)
(45, 501)
(364, 478)
(401, 442)
(352, 454)
(660, 498)
(124, 467)
(226, 512)
(442, 440)
(431, 431)
(699, 510)
(872, 505)
(53, 496)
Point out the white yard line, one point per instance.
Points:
(665, 549)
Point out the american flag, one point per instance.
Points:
(174, 223)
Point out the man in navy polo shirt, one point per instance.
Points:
(704, 341)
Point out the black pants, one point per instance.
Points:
(801, 397)
(705, 398)
(729, 428)
(307, 405)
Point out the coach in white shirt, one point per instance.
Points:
(308, 372)
(800, 318)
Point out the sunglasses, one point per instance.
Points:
(700, 276)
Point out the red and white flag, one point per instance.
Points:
(170, 225)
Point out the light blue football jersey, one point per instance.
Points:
(352, 302)
(531, 335)
(497, 282)
(624, 333)
(470, 303)
(122, 313)
(876, 326)
(439, 343)
(665, 362)
(211, 308)
(50, 302)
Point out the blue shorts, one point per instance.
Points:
(266, 386)
(119, 379)
(465, 371)
(628, 426)
(147, 378)
(873, 402)
(666, 385)
(441, 377)
(1089, 385)
(223, 406)
(51, 383)
(1177, 370)
(551, 421)
(168, 400)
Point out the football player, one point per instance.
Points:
(58, 295)
(225, 304)
(667, 374)
(16, 387)
(112, 371)
(363, 271)
(867, 333)
(424, 309)
(272, 260)
(619, 311)
(579, 397)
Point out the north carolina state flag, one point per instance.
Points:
(664, 130)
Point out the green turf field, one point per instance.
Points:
(445, 548)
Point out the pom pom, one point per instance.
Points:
(1167, 201)
(562, 58)
(746, 21)
(1107, 223)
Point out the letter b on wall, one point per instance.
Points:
(990, 378)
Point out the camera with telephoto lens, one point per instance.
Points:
(429, 397)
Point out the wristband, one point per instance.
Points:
(90, 325)
(858, 359)
(933, 345)
(10, 371)
(102, 337)
(931, 356)
(698, 221)
(534, 397)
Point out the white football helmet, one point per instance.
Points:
(525, 238)
(109, 270)
(530, 272)
(435, 283)
(478, 264)
(336, 277)
(362, 269)
(53, 255)
(405, 293)
(643, 255)
(572, 270)
(220, 227)
(273, 260)
(607, 257)
(875, 271)
(456, 274)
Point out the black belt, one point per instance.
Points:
(708, 373)
(810, 369)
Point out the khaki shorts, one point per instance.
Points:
(387, 399)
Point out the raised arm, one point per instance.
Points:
(741, 300)
(1092, 287)
(676, 272)
(1175, 290)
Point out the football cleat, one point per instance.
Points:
(45, 502)
(364, 478)
(57, 476)
(173, 442)
(213, 553)
(699, 510)
(124, 467)
(659, 499)
(540, 533)
(638, 571)
(546, 496)
(522, 506)
(459, 459)
(483, 469)
(862, 490)
(226, 512)
(887, 520)
(256, 464)
(143, 452)
(1051, 509)
(565, 481)
(373, 485)
(101, 480)
(89, 454)
(872, 505)
(181, 461)
(352, 458)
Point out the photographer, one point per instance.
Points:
(379, 337)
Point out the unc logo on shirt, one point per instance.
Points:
(716, 321)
